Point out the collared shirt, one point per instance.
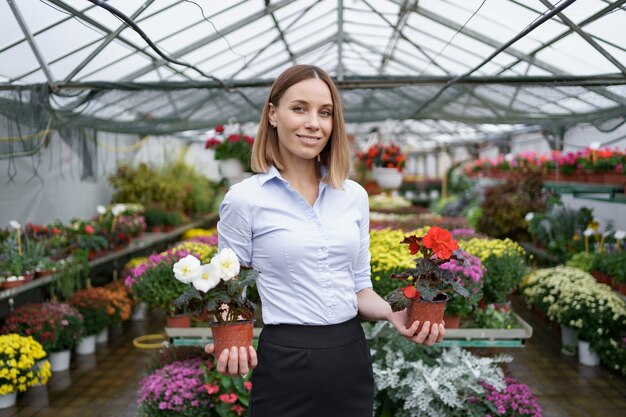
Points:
(312, 259)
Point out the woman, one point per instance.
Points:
(305, 227)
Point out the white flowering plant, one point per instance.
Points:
(218, 287)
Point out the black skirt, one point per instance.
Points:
(313, 371)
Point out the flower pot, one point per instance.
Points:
(452, 322)
(586, 355)
(231, 168)
(621, 287)
(87, 345)
(601, 277)
(388, 178)
(139, 313)
(423, 311)
(12, 284)
(181, 320)
(569, 337)
(60, 361)
(227, 335)
(103, 336)
(8, 400)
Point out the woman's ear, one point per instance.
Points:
(271, 115)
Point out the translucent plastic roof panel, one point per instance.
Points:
(396, 56)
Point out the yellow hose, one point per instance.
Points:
(139, 342)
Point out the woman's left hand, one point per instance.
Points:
(428, 335)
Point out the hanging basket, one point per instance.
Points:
(387, 178)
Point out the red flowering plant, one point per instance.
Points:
(57, 326)
(385, 156)
(235, 145)
(229, 396)
(429, 279)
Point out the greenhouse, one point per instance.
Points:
(314, 174)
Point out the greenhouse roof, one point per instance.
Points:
(449, 70)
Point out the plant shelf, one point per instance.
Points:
(611, 193)
(489, 337)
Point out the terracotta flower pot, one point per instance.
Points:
(182, 320)
(621, 287)
(227, 335)
(423, 311)
(601, 277)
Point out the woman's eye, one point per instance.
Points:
(298, 109)
(326, 113)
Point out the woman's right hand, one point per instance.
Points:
(236, 361)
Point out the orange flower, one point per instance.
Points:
(440, 241)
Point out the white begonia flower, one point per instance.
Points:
(118, 209)
(588, 232)
(529, 216)
(14, 224)
(228, 263)
(208, 277)
(187, 269)
(619, 234)
(101, 209)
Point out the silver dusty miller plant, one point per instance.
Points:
(441, 390)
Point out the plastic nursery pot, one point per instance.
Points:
(227, 335)
(431, 311)
(182, 320)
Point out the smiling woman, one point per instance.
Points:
(305, 227)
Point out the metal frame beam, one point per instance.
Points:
(110, 37)
(339, 69)
(587, 38)
(31, 41)
(208, 39)
(281, 34)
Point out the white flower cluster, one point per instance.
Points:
(223, 266)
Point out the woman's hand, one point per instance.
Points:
(429, 335)
(236, 361)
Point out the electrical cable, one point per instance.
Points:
(536, 23)
(129, 22)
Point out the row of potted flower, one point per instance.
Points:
(75, 324)
(587, 310)
(587, 165)
(32, 250)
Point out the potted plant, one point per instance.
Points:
(57, 326)
(234, 151)
(218, 288)
(385, 162)
(153, 281)
(96, 308)
(427, 284)
(22, 365)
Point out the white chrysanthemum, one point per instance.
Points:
(228, 264)
(187, 269)
(208, 278)
(14, 224)
(529, 216)
(101, 209)
(118, 209)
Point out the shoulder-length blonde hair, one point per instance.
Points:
(335, 155)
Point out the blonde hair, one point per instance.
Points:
(336, 153)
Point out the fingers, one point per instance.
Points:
(243, 361)
(254, 361)
(410, 332)
(209, 348)
(442, 332)
(432, 335)
(423, 333)
(235, 361)
(222, 361)
(428, 335)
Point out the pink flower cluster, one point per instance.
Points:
(175, 387)
(171, 256)
(473, 270)
(516, 400)
(207, 240)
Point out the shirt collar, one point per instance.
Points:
(273, 172)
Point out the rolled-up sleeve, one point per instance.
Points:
(362, 270)
(234, 227)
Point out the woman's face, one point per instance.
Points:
(303, 119)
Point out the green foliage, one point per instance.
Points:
(158, 287)
(504, 273)
(200, 192)
(613, 264)
(494, 318)
(582, 260)
(560, 230)
(474, 214)
(505, 206)
(70, 276)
